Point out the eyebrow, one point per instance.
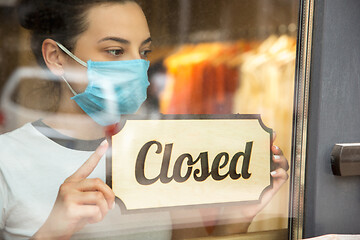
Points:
(122, 40)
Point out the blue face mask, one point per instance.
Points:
(114, 88)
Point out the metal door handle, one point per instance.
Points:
(345, 159)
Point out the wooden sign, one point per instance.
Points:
(181, 162)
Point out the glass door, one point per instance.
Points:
(217, 150)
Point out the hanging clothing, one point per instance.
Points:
(200, 83)
(246, 77)
(266, 85)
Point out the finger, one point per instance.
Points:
(97, 184)
(93, 198)
(86, 169)
(279, 178)
(280, 174)
(281, 162)
(91, 213)
(276, 150)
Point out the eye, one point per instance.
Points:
(115, 52)
(145, 53)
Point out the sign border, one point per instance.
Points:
(160, 117)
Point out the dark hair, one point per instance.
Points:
(60, 20)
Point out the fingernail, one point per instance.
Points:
(113, 206)
(102, 149)
(103, 143)
(273, 173)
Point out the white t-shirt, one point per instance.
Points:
(33, 166)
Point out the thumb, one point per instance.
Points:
(280, 177)
(88, 167)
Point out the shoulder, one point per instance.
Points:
(18, 136)
(18, 142)
(27, 149)
(27, 128)
(24, 152)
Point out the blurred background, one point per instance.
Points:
(209, 57)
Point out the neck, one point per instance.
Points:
(71, 120)
(79, 127)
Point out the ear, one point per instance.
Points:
(53, 57)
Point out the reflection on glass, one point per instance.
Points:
(232, 57)
(208, 57)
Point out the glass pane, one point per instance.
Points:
(210, 61)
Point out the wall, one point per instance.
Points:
(9, 43)
(333, 203)
(181, 20)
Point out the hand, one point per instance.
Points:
(80, 201)
(279, 176)
(237, 219)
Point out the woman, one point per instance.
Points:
(53, 188)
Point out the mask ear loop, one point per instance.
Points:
(71, 89)
(73, 57)
(71, 54)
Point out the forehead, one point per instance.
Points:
(125, 20)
